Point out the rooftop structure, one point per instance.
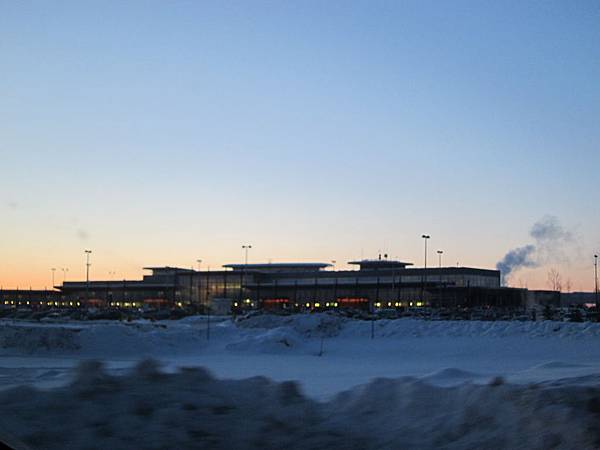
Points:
(375, 264)
(279, 267)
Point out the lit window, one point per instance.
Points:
(317, 305)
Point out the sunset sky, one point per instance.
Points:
(158, 133)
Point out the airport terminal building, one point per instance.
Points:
(376, 283)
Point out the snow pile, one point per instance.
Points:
(263, 333)
(98, 339)
(402, 328)
(26, 339)
(306, 325)
(412, 414)
(277, 340)
(331, 325)
(149, 409)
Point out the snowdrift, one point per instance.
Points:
(331, 325)
(263, 333)
(150, 409)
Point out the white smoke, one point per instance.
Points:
(550, 240)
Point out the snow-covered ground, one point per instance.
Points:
(421, 384)
(288, 348)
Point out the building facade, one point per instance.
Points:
(375, 283)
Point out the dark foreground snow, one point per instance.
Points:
(150, 409)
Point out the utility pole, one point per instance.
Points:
(87, 275)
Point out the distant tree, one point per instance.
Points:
(554, 280)
(568, 285)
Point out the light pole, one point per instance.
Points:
(53, 270)
(245, 247)
(87, 275)
(596, 280)
(109, 294)
(64, 271)
(425, 237)
(440, 252)
(199, 261)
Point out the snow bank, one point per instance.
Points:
(262, 333)
(330, 325)
(98, 339)
(149, 409)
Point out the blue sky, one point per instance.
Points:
(162, 132)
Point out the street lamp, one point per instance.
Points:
(199, 261)
(64, 271)
(87, 275)
(425, 237)
(440, 252)
(246, 248)
(53, 270)
(596, 280)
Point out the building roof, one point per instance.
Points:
(278, 266)
(370, 264)
(169, 269)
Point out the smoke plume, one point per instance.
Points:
(549, 238)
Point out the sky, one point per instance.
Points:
(160, 133)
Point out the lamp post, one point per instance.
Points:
(440, 252)
(53, 270)
(198, 289)
(596, 280)
(425, 237)
(87, 275)
(245, 247)
(109, 294)
(64, 271)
